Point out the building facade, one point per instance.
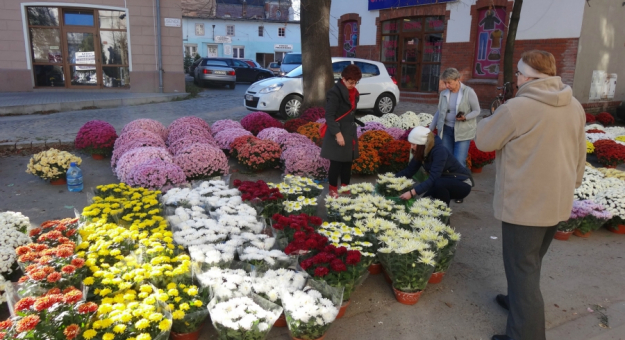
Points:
(260, 30)
(87, 45)
(417, 42)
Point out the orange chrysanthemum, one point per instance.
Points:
(71, 331)
(88, 307)
(73, 296)
(44, 259)
(394, 156)
(22, 250)
(6, 324)
(375, 138)
(64, 252)
(54, 277)
(69, 269)
(53, 291)
(37, 275)
(311, 130)
(42, 303)
(368, 161)
(28, 323)
(78, 262)
(22, 279)
(25, 303)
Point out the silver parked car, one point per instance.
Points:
(217, 72)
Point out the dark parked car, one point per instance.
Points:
(214, 72)
(252, 63)
(246, 73)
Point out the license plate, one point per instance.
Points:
(220, 72)
(249, 97)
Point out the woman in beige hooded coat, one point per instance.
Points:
(541, 153)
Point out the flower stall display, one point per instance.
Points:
(56, 232)
(267, 200)
(156, 174)
(227, 283)
(320, 120)
(225, 124)
(7, 264)
(479, 158)
(305, 243)
(368, 161)
(311, 312)
(592, 183)
(375, 139)
(350, 209)
(255, 122)
(313, 114)
(140, 142)
(97, 137)
(612, 173)
(594, 131)
(311, 131)
(185, 131)
(55, 315)
(394, 156)
(285, 227)
(593, 216)
(430, 207)
(295, 186)
(390, 186)
(302, 205)
(370, 126)
(185, 142)
(605, 118)
(225, 138)
(272, 133)
(613, 200)
(138, 156)
(287, 141)
(354, 190)
(187, 303)
(256, 154)
(293, 124)
(151, 125)
(615, 131)
(201, 161)
(341, 235)
(305, 160)
(14, 220)
(609, 153)
(243, 318)
(51, 164)
(445, 245)
(425, 119)
(595, 137)
(409, 263)
(135, 134)
(265, 259)
(214, 255)
(190, 120)
(338, 267)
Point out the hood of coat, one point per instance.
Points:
(551, 91)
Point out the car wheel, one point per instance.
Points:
(384, 104)
(291, 106)
(232, 85)
(261, 77)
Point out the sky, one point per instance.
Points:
(296, 9)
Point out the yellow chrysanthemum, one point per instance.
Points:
(119, 329)
(164, 325)
(89, 334)
(177, 315)
(142, 324)
(108, 336)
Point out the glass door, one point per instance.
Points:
(82, 48)
(409, 63)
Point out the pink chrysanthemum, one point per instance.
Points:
(148, 125)
(200, 161)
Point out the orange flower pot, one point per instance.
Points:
(98, 157)
(60, 181)
(436, 277)
(281, 322)
(581, 234)
(476, 170)
(407, 298)
(186, 336)
(619, 229)
(343, 309)
(562, 235)
(375, 269)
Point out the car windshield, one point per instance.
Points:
(292, 59)
(216, 63)
(274, 65)
(296, 73)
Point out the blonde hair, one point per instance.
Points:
(541, 61)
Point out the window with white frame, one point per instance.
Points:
(281, 31)
(261, 31)
(190, 50)
(230, 30)
(238, 52)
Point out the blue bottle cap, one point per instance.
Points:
(72, 164)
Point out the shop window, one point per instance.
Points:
(411, 50)
(78, 18)
(281, 31)
(230, 30)
(112, 19)
(190, 50)
(488, 43)
(350, 38)
(43, 16)
(199, 30)
(238, 52)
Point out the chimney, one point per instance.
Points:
(244, 14)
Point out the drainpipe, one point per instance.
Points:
(159, 46)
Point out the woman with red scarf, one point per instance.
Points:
(340, 144)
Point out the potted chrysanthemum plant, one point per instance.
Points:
(614, 201)
(97, 137)
(593, 215)
(566, 228)
(52, 165)
(408, 261)
(243, 318)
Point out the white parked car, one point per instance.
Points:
(378, 90)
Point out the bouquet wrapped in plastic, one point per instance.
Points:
(243, 318)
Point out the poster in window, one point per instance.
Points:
(350, 38)
(490, 33)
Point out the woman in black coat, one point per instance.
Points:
(340, 144)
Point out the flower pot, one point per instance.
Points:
(186, 336)
(294, 338)
(407, 298)
(619, 229)
(281, 322)
(562, 235)
(387, 278)
(476, 170)
(97, 156)
(581, 234)
(375, 269)
(343, 309)
(436, 277)
(60, 181)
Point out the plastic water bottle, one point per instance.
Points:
(74, 178)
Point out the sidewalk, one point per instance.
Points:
(22, 103)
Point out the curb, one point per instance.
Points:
(12, 146)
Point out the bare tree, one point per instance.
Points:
(510, 41)
(316, 55)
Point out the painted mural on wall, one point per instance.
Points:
(490, 32)
(350, 38)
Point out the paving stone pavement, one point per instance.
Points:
(212, 104)
(47, 97)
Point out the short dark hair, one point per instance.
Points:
(351, 72)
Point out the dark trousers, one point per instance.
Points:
(446, 189)
(523, 250)
(342, 169)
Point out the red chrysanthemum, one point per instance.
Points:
(28, 323)
(23, 279)
(321, 271)
(25, 303)
(53, 291)
(69, 269)
(22, 250)
(71, 331)
(54, 277)
(6, 324)
(37, 275)
(73, 296)
(88, 307)
(64, 252)
(48, 270)
(42, 303)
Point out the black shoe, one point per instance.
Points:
(459, 201)
(502, 300)
(501, 337)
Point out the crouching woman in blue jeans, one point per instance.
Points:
(447, 180)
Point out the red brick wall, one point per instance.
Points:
(605, 106)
